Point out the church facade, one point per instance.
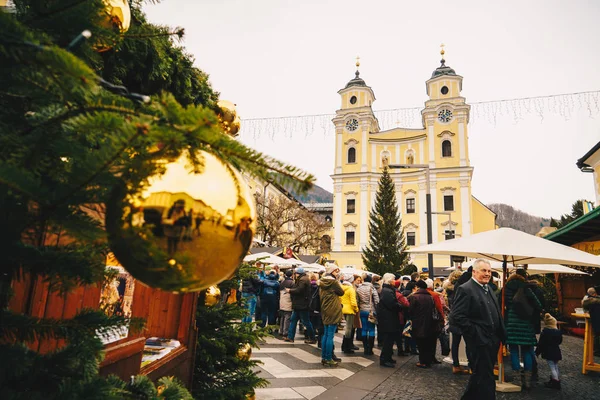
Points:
(362, 150)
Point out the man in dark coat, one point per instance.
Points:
(300, 293)
(477, 314)
(388, 322)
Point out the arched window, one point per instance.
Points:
(351, 155)
(446, 148)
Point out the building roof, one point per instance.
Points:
(270, 250)
(308, 258)
(581, 162)
(319, 206)
(443, 69)
(583, 229)
(357, 81)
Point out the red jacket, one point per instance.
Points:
(404, 303)
(437, 301)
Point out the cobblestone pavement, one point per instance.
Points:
(437, 383)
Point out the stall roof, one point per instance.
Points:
(584, 229)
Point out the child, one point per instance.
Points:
(548, 347)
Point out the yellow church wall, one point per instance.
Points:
(482, 218)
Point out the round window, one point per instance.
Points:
(444, 89)
(353, 100)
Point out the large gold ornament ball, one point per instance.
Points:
(187, 230)
(213, 296)
(118, 15)
(244, 352)
(227, 112)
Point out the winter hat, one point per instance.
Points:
(549, 321)
(406, 278)
(429, 283)
(299, 270)
(289, 273)
(421, 284)
(331, 268)
(348, 278)
(367, 278)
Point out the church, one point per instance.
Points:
(437, 154)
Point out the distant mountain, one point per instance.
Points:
(317, 194)
(510, 217)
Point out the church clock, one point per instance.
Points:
(445, 115)
(352, 125)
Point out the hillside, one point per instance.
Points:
(509, 217)
(317, 195)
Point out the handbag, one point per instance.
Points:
(372, 318)
(357, 322)
(407, 331)
(437, 318)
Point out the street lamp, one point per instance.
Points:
(451, 231)
(428, 206)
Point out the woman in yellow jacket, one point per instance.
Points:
(349, 309)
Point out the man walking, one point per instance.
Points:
(477, 314)
(300, 293)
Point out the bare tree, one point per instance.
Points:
(285, 222)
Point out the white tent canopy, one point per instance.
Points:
(355, 271)
(268, 258)
(534, 269)
(513, 246)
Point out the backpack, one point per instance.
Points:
(314, 303)
(521, 304)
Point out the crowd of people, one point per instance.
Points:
(407, 315)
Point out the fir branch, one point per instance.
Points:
(86, 324)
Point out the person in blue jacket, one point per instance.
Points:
(269, 300)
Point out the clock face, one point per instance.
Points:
(352, 125)
(445, 115)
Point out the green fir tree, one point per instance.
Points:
(386, 249)
(219, 373)
(69, 137)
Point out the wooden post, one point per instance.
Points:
(558, 292)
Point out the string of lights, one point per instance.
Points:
(566, 105)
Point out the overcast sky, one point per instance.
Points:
(289, 58)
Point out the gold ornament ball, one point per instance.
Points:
(118, 15)
(186, 231)
(244, 352)
(251, 396)
(213, 296)
(227, 111)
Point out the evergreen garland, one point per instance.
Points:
(386, 249)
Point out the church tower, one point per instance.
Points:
(354, 122)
